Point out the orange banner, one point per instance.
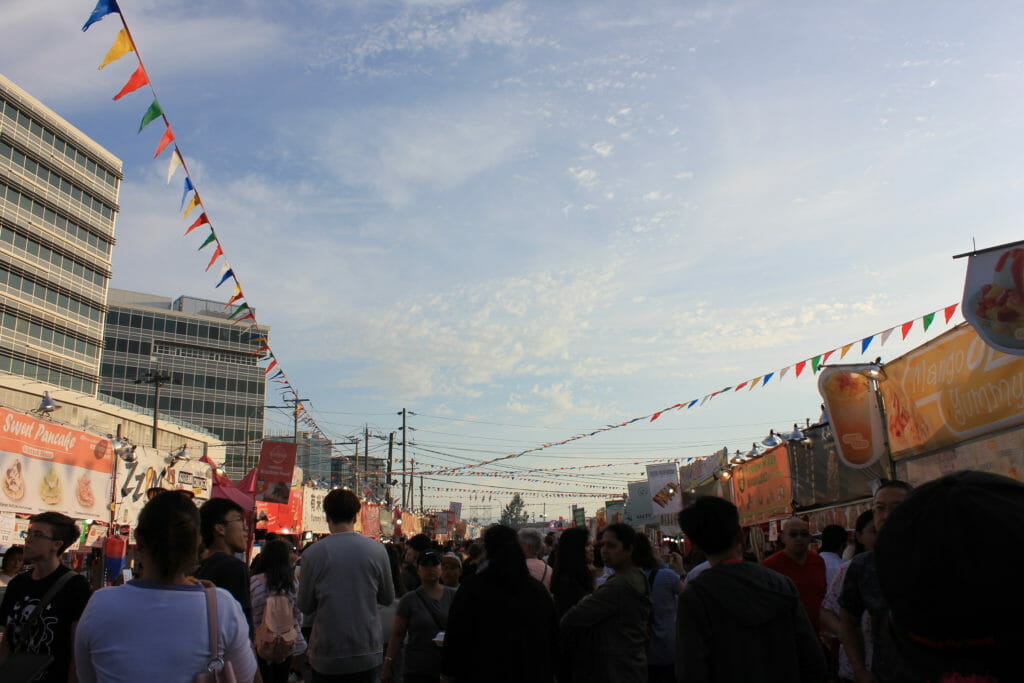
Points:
(854, 415)
(46, 466)
(952, 389)
(762, 489)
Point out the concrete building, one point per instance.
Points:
(58, 202)
(214, 379)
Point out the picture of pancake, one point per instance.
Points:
(14, 483)
(51, 489)
(83, 492)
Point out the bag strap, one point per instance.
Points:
(430, 609)
(37, 613)
(211, 622)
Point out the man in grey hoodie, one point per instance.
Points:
(344, 577)
(737, 621)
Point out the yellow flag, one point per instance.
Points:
(192, 204)
(122, 46)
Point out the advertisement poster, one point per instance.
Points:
(284, 518)
(441, 523)
(274, 471)
(387, 522)
(615, 511)
(993, 300)
(702, 478)
(45, 466)
(762, 488)
(370, 514)
(579, 517)
(313, 517)
(7, 537)
(639, 504)
(155, 469)
(952, 389)
(665, 493)
(456, 508)
(1000, 454)
(818, 476)
(854, 414)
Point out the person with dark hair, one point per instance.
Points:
(416, 545)
(954, 616)
(225, 533)
(664, 584)
(49, 535)
(572, 578)
(474, 557)
(833, 542)
(739, 622)
(156, 627)
(606, 632)
(501, 626)
(276, 577)
(345, 576)
(864, 537)
(13, 561)
(797, 561)
(862, 593)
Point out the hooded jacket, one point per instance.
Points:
(739, 622)
(606, 633)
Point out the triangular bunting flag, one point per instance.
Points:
(824, 359)
(217, 253)
(153, 113)
(866, 342)
(656, 416)
(886, 335)
(800, 367)
(844, 351)
(202, 220)
(174, 164)
(166, 139)
(783, 371)
(273, 364)
(243, 307)
(247, 316)
(766, 378)
(928, 321)
(906, 327)
(755, 383)
(223, 278)
(949, 311)
(814, 364)
(191, 205)
(740, 386)
(137, 80)
(102, 9)
(238, 295)
(211, 238)
(122, 46)
(279, 373)
(692, 403)
(189, 187)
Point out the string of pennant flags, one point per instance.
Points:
(241, 312)
(798, 368)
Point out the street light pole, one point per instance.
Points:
(156, 378)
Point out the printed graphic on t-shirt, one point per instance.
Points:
(43, 634)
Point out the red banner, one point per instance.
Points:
(274, 472)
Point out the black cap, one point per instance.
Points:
(428, 558)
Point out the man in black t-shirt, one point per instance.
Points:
(49, 535)
(224, 530)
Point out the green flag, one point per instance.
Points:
(928, 320)
(815, 362)
(211, 238)
(151, 115)
(238, 310)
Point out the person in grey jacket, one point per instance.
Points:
(344, 577)
(605, 633)
(739, 622)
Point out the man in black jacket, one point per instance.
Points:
(737, 621)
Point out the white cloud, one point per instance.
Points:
(605, 149)
(586, 177)
(656, 195)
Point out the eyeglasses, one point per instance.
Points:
(38, 536)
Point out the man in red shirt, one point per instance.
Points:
(804, 566)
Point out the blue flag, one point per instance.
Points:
(188, 188)
(103, 8)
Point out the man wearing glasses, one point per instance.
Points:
(223, 527)
(806, 567)
(53, 632)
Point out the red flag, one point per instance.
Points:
(949, 311)
(138, 79)
(800, 367)
(655, 416)
(235, 298)
(217, 253)
(167, 139)
(824, 359)
(906, 327)
(199, 221)
(740, 385)
(247, 316)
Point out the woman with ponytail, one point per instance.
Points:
(154, 628)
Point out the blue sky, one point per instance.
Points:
(547, 217)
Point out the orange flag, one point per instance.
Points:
(138, 79)
(166, 139)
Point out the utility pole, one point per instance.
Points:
(156, 378)
(391, 449)
(366, 456)
(412, 485)
(421, 494)
(355, 468)
(405, 440)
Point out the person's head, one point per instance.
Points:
(712, 524)
(955, 612)
(14, 558)
(505, 560)
(833, 539)
(573, 557)
(428, 567)
(549, 541)
(618, 541)
(643, 553)
(796, 537)
(49, 535)
(532, 542)
(167, 535)
(341, 506)
(864, 532)
(278, 566)
(451, 570)
(223, 525)
(416, 545)
(890, 494)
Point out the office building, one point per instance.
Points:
(58, 202)
(214, 380)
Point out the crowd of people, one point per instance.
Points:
(904, 600)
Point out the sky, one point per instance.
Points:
(526, 220)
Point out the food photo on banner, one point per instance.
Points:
(853, 410)
(615, 511)
(665, 492)
(274, 471)
(993, 300)
(762, 487)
